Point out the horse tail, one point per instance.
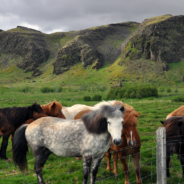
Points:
(20, 148)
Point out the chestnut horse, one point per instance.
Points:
(13, 117)
(177, 112)
(174, 139)
(130, 145)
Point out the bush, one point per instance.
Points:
(25, 89)
(102, 88)
(176, 91)
(133, 92)
(168, 90)
(87, 98)
(96, 98)
(178, 99)
(47, 90)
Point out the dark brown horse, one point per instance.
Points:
(51, 109)
(174, 139)
(13, 117)
(130, 145)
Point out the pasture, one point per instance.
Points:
(69, 170)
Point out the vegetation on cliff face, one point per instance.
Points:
(157, 39)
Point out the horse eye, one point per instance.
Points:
(109, 123)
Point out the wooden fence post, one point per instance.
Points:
(161, 156)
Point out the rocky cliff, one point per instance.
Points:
(158, 39)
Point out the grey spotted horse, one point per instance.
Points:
(89, 137)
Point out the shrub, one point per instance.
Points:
(87, 98)
(47, 90)
(96, 98)
(25, 89)
(102, 88)
(133, 92)
(176, 91)
(168, 90)
(178, 99)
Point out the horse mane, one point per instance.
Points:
(18, 115)
(131, 115)
(174, 125)
(96, 121)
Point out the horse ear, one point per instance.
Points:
(53, 105)
(180, 123)
(162, 122)
(122, 109)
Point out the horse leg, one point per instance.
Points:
(167, 164)
(41, 156)
(115, 161)
(4, 146)
(181, 158)
(108, 156)
(94, 168)
(124, 165)
(86, 168)
(136, 159)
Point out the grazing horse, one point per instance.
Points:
(12, 117)
(71, 112)
(177, 112)
(174, 139)
(89, 137)
(130, 145)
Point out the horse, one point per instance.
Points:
(130, 145)
(89, 137)
(51, 109)
(174, 139)
(12, 117)
(70, 112)
(177, 112)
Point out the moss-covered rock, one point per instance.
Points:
(157, 39)
(28, 45)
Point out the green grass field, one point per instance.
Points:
(59, 170)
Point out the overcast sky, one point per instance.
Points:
(51, 16)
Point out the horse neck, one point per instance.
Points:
(16, 116)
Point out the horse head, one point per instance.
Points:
(129, 127)
(107, 118)
(36, 111)
(53, 109)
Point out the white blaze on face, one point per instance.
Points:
(115, 126)
(131, 140)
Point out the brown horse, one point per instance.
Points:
(177, 112)
(174, 139)
(53, 109)
(12, 117)
(131, 143)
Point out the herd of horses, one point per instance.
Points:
(91, 132)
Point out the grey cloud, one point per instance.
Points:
(50, 15)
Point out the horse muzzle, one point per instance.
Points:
(131, 143)
(117, 142)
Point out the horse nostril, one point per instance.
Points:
(117, 142)
(135, 142)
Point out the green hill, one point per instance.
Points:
(127, 53)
